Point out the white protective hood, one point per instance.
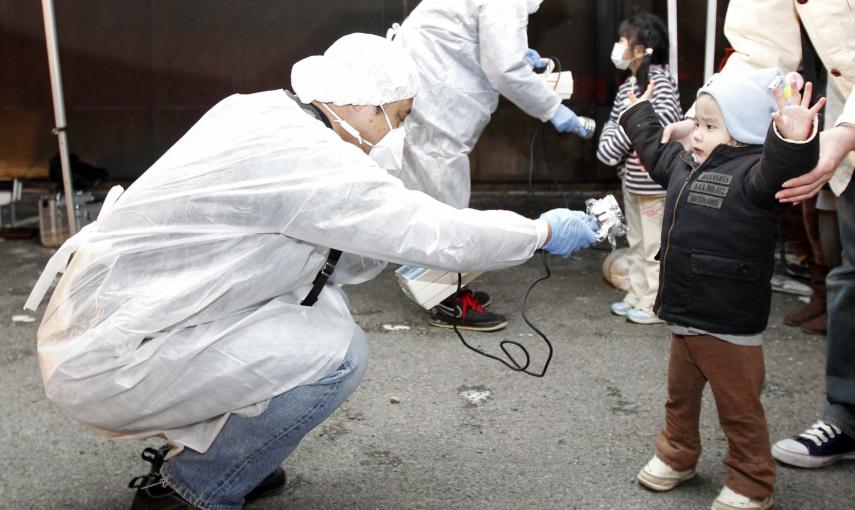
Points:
(360, 69)
(180, 305)
(468, 52)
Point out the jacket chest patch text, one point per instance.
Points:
(716, 178)
(710, 189)
(705, 200)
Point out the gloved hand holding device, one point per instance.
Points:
(566, 121)
(571, 231)
(534, 60)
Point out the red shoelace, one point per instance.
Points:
(467, 302)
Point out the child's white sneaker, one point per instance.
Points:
(640, 316)
(620, 308)
(730, 500)
(658, 476)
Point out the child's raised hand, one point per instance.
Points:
(644, 97)
(795, 121)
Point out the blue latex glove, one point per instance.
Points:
(565, 121)
(534, 60)
(571, 231)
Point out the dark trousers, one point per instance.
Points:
(840, 367)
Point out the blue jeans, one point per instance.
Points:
(249, 449)
(840, 368)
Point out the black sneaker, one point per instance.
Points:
(482, 298)
(154, 494)
(820, 445)
(467, 312)
(270, 486)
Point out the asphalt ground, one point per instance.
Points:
(573, 439)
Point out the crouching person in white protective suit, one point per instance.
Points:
(198, 307)
(468, 52)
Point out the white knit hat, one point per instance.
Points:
(746, 102)
(360, 69)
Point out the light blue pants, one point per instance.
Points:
(249, 449)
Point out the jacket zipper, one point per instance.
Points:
(670, 229)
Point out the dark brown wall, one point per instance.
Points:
(581, 35)
(138, 73)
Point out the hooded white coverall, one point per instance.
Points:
(181, 303)
(468, 52)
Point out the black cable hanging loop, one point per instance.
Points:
(514, 365)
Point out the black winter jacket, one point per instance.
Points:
(720, 222)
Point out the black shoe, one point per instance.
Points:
(482, 298)
(153, 492)
(800, 271)
(467, 312)
(270, 486)
(158, 496)
(820, 445)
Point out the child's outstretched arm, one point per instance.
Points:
(791, 148)
(644, 129)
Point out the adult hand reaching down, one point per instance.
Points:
(834, 145)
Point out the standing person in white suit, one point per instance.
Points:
(199, 306)
(467, 53)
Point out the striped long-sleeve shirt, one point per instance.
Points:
(615, 149)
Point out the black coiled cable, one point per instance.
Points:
(514, 364)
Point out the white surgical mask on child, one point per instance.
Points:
(617, 56)
(388, 153)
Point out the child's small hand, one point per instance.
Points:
(795, 121)
(645, 97)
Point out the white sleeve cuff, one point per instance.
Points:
(812, 136)
(542, 232)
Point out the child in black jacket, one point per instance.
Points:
(717, 257)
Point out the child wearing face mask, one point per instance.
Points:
(642, 48)
(717, 257)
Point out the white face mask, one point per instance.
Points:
(388, 153)
(617, 56)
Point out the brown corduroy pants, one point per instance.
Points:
(736, 374)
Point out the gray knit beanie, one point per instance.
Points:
(746, 102)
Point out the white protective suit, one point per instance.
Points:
(468, 52)
(180, 305)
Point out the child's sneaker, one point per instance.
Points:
(820, 445)
(620, 308)
(658, 476)
(639, 316)
(730, 500)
